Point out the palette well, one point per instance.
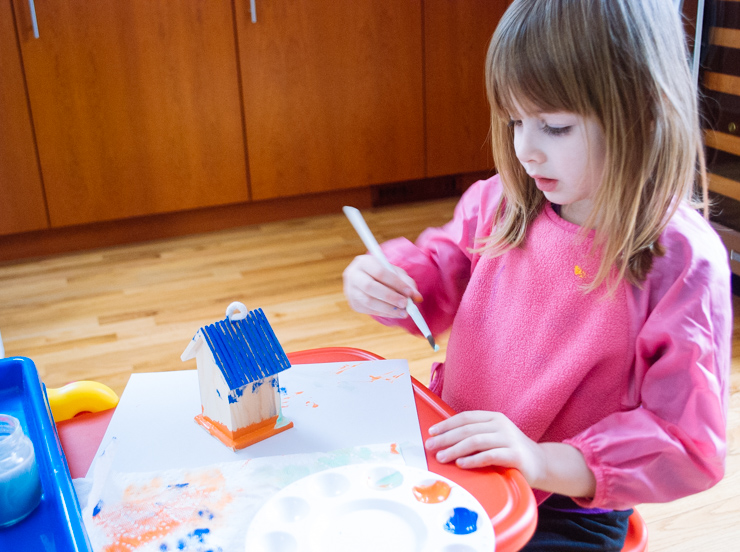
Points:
(371, 507)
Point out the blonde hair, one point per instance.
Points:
(623, 62)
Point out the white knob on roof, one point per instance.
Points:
(233, 308)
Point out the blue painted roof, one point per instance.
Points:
(245, 350)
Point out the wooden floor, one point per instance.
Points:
(105, 314)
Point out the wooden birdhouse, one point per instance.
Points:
(239, 359)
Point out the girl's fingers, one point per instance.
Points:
(396, 280)
(480, 435)
(462, 419)
(501, 456)
(476, 444)
(373, 289)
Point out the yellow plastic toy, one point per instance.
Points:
(80, 396)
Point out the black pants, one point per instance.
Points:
(561, 531)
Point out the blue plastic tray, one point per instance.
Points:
(56, 525)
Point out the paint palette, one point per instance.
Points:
(371, 507)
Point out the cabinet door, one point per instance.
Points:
(458, 117)
(333, 93)
(22, 205)
(136, 106)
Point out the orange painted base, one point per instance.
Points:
(244, 437)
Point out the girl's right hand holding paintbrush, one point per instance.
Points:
(371, 288)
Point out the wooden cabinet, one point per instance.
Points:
(136, 106)
(456, 37)
(22, 206)
(153, 107)
(333, 94)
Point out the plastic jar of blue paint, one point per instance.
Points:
(20, 485)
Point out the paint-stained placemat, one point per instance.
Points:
(205, 509)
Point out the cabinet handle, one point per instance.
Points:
(252, 9)
(32, 9)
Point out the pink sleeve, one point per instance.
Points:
(672, 442)
(440, 261)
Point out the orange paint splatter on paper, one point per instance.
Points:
(346, 367)
(311, 404)
(394, 448)
(388, 376)
(154, 511)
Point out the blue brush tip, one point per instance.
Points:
(430, 339)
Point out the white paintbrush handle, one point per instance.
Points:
(362, 229)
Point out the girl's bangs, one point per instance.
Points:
(528, 66)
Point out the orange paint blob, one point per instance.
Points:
(432, 494)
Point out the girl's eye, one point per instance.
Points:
(556, 131)
(514, 123)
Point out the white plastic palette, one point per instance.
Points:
(371, 508)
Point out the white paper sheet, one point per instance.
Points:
(332, 406)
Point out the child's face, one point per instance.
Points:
(564, 153)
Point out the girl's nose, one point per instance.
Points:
(526, 147)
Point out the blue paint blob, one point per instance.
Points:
(462, 522)
(181, 544)
(204, 513)
(178, 486)
(198, 534)
(98, 507)
(163, 547)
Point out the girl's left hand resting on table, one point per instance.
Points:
(479, 438)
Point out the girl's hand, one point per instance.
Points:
(479, 438)
(370, 288)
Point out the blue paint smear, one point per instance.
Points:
(218, 393)
(203, 513)
(256, 385)
(198, 534)
(163, 547)
(462, 522)
(181, 544)
(98, 507)
(283, 390)
(179, 485)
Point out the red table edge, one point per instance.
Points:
(513, 527)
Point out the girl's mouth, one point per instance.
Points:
(545, 184)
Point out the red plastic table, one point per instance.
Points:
(505, 495)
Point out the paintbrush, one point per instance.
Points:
(359, 224)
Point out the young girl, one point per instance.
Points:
(589, 302)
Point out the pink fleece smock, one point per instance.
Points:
(637, 380)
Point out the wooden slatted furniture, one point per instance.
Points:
(720, 87)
